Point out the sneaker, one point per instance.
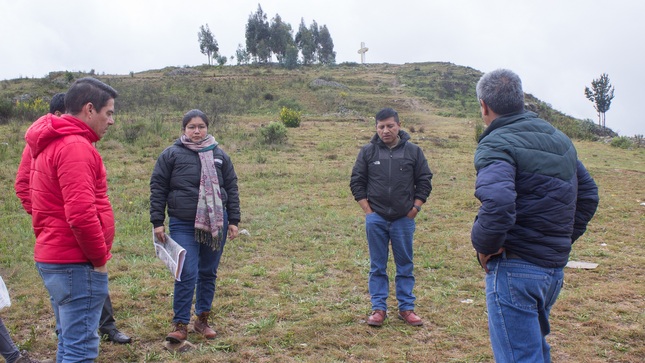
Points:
(410, 317)
(178, 334)
(377, 318)
(201, 326)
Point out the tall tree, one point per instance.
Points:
(601, 94)
(306, 44)
(258, 36)
(291, 57)
(326, 54)
(207, 43)
(281, 38)
(315, 33)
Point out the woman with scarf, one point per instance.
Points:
(195, 180)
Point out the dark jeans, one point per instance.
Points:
(8, 349)
(107, 322)
(199, 273)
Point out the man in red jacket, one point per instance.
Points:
(71, 213)
(107, 323)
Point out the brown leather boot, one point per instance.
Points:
(201, 326)
(377, 318)
(178, 334)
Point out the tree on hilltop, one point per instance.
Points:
(258, 36)
(243, 57)
(207, 43)
(306, 43)
(326, 54)
(281, 38)
(601, 94)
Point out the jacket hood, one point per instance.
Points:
(51, 127)
(402, 134)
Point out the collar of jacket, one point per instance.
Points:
(504, 120)
(402, 134)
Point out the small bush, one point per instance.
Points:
(479, 130)
(6, 110)
(30, 110)
(133, 131)
(260, 158)
(274, 133)
(289, 117)
(622, 142)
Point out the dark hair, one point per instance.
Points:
(387, 113)
(57, 103)
(192, 114)
(88, 90)
(501, 90)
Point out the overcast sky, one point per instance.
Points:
(556, 46)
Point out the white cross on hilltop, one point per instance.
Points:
(362, 52)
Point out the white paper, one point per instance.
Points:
(172, 255)
(5, 301)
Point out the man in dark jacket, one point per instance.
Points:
(390, 181)
(537, 199)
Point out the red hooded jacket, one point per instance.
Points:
(62, 183)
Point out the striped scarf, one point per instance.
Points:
(209, 219)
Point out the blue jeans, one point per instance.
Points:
(519, 297)
(379, 234)
(8, 349)
(200, 270)
(77, 294)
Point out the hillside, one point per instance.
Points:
(347, 90)
(294, 289)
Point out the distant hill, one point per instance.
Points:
(347, 90)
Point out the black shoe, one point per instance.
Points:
(114, 335)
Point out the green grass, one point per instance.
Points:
(295, 289)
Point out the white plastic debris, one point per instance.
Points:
(245, 232)
(467, 301)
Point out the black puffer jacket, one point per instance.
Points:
(391, 179)
(175, 184)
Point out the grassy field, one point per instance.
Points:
(295, 288)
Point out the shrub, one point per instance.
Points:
(274, 133)
(133, 131)
(6, 110)
(622, 142)
(289, 117)
(479, 130)
(30, 110)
